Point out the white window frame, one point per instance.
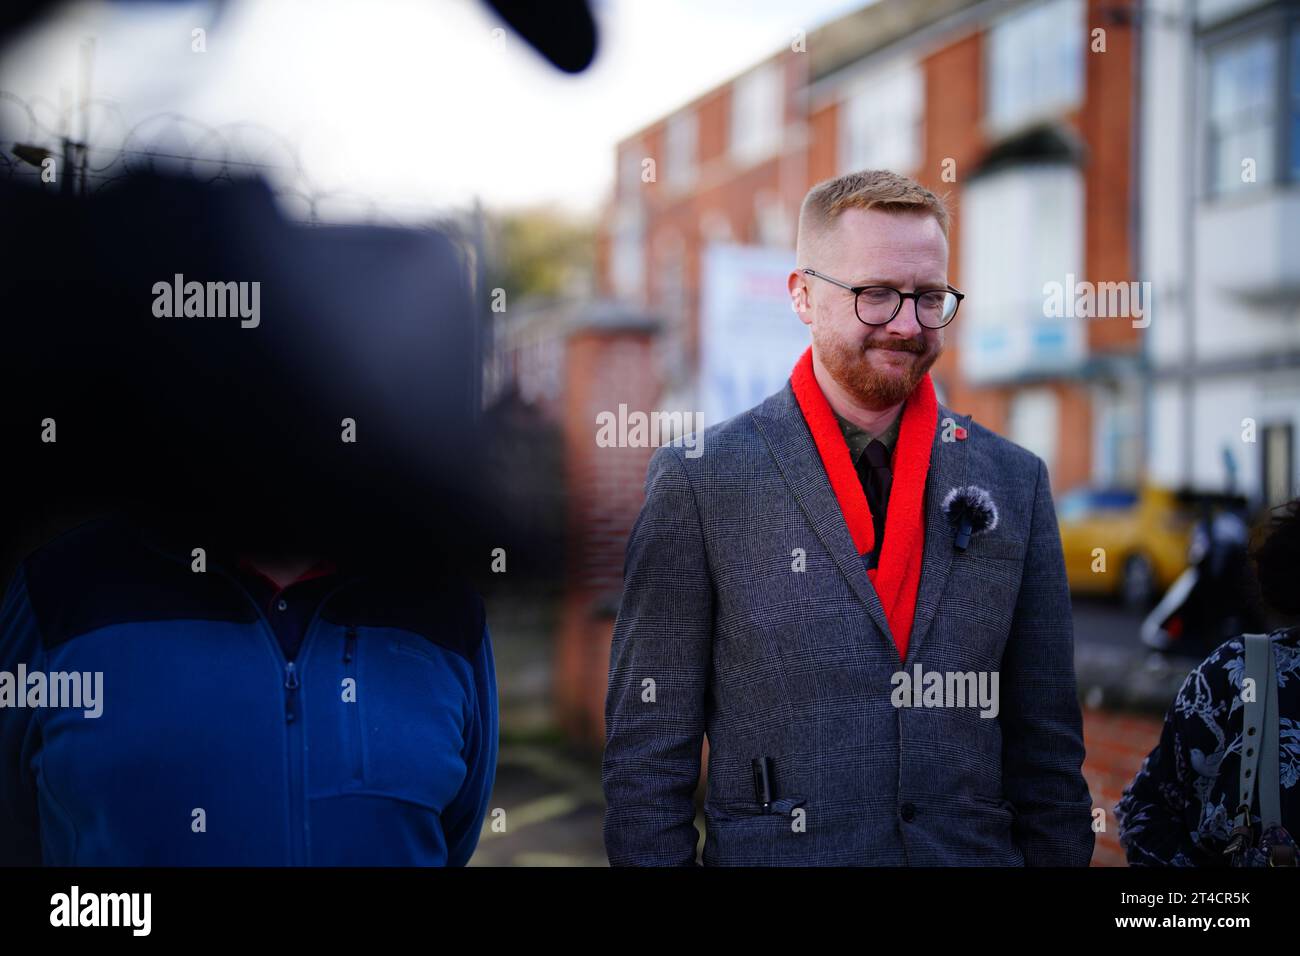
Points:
(681, 140)
(1023, 227)
(1278, 159)
(757, 114)
(1025, 82)
(890, 99)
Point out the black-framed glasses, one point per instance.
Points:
(879, 304)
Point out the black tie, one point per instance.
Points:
(877, 478)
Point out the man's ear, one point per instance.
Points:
(799, 303)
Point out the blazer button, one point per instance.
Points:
(908, 812)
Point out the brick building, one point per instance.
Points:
(1020, 113)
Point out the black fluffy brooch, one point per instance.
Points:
(969, 510)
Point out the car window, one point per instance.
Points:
(1073, 507)
(1114, 500)
(1078, 505)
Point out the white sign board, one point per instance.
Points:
(750, 336)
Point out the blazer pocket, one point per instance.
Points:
(998, 548)
(780, 807)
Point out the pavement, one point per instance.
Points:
(1114, 669)
(547, 810)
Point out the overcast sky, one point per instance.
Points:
(409, 102)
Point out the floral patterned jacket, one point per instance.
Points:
(1179, 809)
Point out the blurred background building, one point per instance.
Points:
(1220, 243)
(998, 107)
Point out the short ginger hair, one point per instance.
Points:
(865, 189)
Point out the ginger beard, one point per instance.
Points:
(879, 371)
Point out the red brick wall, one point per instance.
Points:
(823, 151)
(711, 139)
(1073, 437)
(954, 98)
(1106, 122)
(604, 492)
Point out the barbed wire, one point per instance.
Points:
(113, 150)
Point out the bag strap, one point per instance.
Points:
(1259, 736)
(1270, 790)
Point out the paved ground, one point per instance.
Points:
(1116, 744)
(553, 810)
(1113, 667)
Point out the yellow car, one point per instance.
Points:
(1129, 544)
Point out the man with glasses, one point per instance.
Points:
(857, 594)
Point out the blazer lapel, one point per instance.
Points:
(781, 423)
(947, 471)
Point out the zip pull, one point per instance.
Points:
(290, 685)
(349, 644)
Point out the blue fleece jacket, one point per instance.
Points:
(377, 745)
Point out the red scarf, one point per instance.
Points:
(899, 570)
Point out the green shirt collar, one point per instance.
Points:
(858, 438)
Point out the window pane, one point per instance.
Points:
(883, 121)
(679, 150)
(1036, 61)
(756, 114)
(1242, 105)
(1023, 229)
(1234, 148)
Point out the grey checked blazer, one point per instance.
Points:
(718, 635)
